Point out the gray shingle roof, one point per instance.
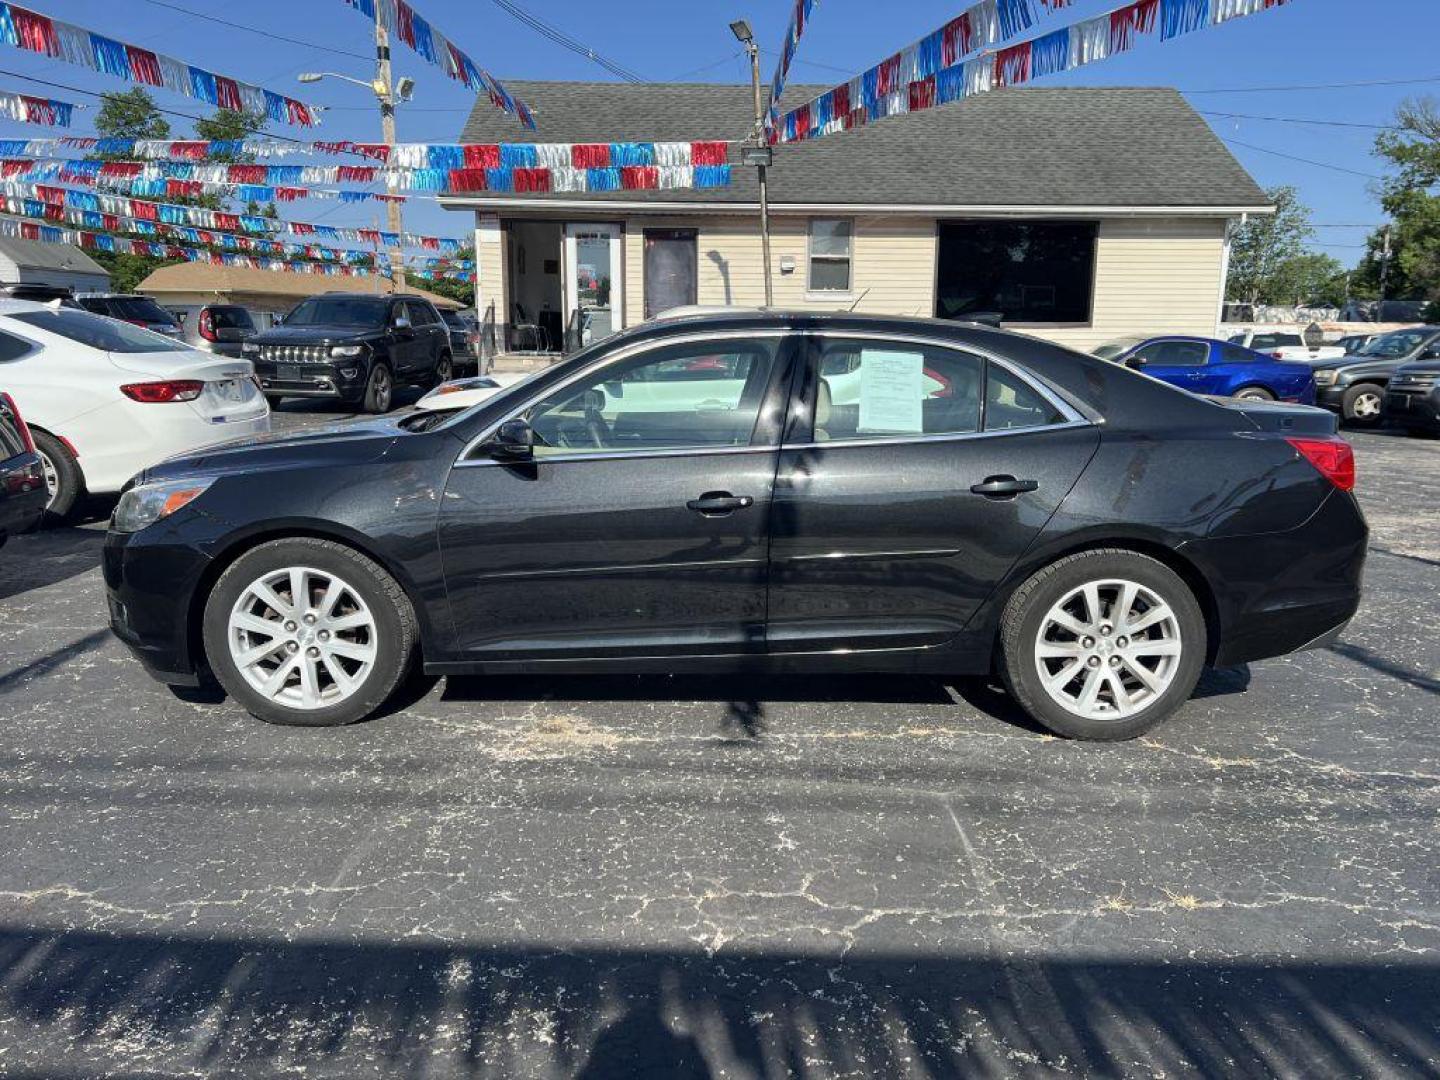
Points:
(40, 255)
(1141, 147)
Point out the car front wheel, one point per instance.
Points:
(1362, 403)
(307, 632)
(1103, 645)
(379, 389)
(444, 370)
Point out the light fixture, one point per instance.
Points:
(310, 76)
(741, 29)
(405, 88)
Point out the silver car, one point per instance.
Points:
(222, 329)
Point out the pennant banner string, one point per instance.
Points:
(29, 30)
(799, 23)
(927, 78)
(401, 20)
(36, 110)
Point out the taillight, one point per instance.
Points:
(137, 322)
(206, 327)
(26, 439)
(160, 392)
(1277, 356)
(1333, 458)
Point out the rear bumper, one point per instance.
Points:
(1419, 409)
(1286, 592)
(22, 494)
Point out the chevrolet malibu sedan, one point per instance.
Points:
(693, 496)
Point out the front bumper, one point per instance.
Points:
(340, 379)
(1413, 409)
(1331, 397)
(150, 581)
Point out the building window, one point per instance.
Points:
(1028, 271)
(831, 244)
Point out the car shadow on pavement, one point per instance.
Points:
(1375, 662)
(78, 1002)
(37, 560)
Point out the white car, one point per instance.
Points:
(459, 394)
(106, 399)
(1285, 345)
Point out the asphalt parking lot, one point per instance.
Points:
(693, 877)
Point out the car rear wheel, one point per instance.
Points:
(1103, 645)
(1362, 403)
(379, 389)
(1255, 393)
(63, 478)
(309, 633)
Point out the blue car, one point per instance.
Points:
(1206, 366)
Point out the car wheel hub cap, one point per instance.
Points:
(303, 638)
(52, 478)
(1367, 405)
(1108, 650)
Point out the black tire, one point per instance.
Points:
(1362, 404)
(274, 400)
(1254, 393)
(444, 370)
(396, 628)
(69, 480)
(379, 389)
(1024, 620)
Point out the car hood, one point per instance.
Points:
(338, 445)
(1359, 363)
(312, 335)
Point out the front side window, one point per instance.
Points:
(1179, 354)
(697, 395)
(1027, 271)
(357, 312)
(832, 243)
(99, 332)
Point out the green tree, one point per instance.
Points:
(1411, 196)
(1309, 279)
(227, 126)
(131, 115)
(128, 271)
(1264, 244)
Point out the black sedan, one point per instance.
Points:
(747, 493)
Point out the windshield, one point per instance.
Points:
(98, 332)
(338, 311)
(1400, 343)
(1111, 350)
(136, 309)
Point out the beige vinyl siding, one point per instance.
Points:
(893, 268)
(1152, 276)
(490, 283)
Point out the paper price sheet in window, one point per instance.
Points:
(892, 393)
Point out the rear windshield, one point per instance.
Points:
(1111, 350)
(1275, 341)
(348, 311)
(98, 332)
(455, 319)
(134, 308)
(1400, 343)
(231, 318)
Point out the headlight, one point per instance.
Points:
(249, 347)
(143, 506)
(1325, 378)
(345, 352)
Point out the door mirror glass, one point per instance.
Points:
(1137, 362)
(401, 323)
(513, 441)
(1432, 353)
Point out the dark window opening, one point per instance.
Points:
(1030, 271)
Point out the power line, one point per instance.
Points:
(1314, 86)
(565, 41)
(1303, 161)
(257, 30)
(1299, 120)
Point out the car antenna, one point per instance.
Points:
(858, 299)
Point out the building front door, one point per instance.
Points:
(671, 270)
(594, 283)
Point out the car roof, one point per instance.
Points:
(17, 307)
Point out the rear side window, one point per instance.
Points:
(1011, 404)
(98, 332)
(1233, 354)
(134, 308)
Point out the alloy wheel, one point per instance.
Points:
(303, 638)
(52, 477)
(1108, 649)
(1367, 406)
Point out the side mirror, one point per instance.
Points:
(1136, 362)
(401, 323)
(1432, 353)
(514, 440)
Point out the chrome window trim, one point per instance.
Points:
(1074, 419)
(635, 349)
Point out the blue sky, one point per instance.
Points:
(1305, 43)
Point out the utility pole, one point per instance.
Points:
(1385, 267)
(385, 91)
(760, 155)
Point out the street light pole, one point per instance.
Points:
(385, 91)
(741, 29)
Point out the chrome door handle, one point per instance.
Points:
(1004, 487)
(720, 504)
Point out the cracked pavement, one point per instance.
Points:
(691, 877)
